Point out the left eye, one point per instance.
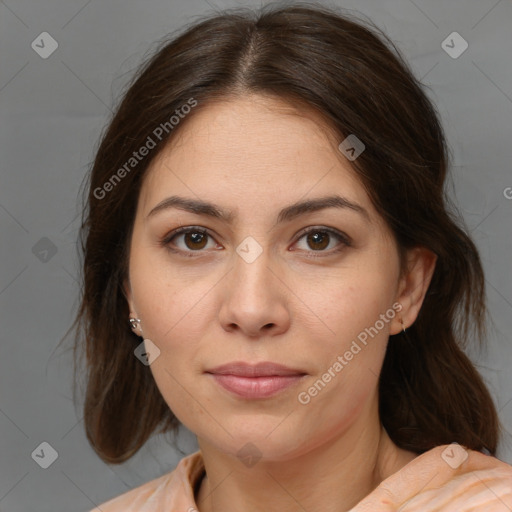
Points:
(322, 240)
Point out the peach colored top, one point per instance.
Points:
(172, 492)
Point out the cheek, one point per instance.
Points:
(172, 302)
(352, 301)
(175, 317)
(351, 305)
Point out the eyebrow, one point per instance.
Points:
(288, 213)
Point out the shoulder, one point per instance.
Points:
(172, 490)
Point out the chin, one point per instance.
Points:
(267, 441)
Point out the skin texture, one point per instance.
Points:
(292, 305)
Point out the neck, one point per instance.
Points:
(332, 477)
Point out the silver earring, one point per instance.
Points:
(402, 322)
(134, 323)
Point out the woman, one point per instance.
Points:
(269, 260)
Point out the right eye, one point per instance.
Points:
(188, 239)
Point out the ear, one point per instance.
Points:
(127, 289)
(413, 286)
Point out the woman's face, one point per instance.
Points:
(313, 289)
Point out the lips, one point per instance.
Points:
(265, 369)
(255, 381)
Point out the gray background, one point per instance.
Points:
(53, 110)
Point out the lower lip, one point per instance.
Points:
(256, 387)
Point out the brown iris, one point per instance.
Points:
(195, 240)
(318, 240)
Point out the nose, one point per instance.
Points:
(255, 299)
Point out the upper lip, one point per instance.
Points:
(264, 369)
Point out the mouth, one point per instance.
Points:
(255, 381)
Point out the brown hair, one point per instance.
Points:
(349, 72)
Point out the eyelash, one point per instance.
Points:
(344, 239)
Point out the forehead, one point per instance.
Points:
(255, 150)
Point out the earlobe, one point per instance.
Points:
(134, 320)
(413, 286)
(398, 324)
(135, 323)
